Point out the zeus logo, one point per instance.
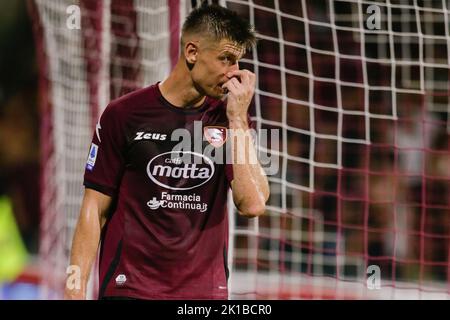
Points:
(168, 170)
(150, 136)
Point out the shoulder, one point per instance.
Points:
(121, 107)
(132, 100)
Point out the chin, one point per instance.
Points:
(215, 94)
(219, 93)
(218, 96)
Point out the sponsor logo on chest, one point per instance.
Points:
(180, 170)
(178, 201)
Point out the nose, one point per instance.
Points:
(233, 67)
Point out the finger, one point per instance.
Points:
(238, 85)
(235, 73)
(252, 79)
(238, 73)
(247, 77)
(231, 86)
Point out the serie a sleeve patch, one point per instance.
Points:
(92, 157)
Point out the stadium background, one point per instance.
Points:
(364, 159)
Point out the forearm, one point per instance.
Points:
(84, 248)
(250, 186)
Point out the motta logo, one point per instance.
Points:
(180, 170)
(216, 136)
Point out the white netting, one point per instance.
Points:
(71, 131)
(364, 116)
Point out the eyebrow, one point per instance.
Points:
(232, 54)
(228, 53)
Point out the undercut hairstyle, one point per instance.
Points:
(219, 23)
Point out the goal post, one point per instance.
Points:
(358, 92)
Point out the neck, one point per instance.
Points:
(179, 89)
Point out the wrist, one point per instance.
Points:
(238, 122)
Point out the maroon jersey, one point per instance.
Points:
(166, 235)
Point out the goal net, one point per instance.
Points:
(358, 92)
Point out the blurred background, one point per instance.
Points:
(19, 152)
(364, 151)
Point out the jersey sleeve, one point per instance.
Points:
(105, 162)
(229, 167)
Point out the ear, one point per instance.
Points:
(190, 52)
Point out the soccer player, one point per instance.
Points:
(159, 210)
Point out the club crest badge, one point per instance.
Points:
(216, 136)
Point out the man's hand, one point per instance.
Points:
(240, 93)
(250, 189)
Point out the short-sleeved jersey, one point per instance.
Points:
(167, 231)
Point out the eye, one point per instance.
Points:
(229, 60)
